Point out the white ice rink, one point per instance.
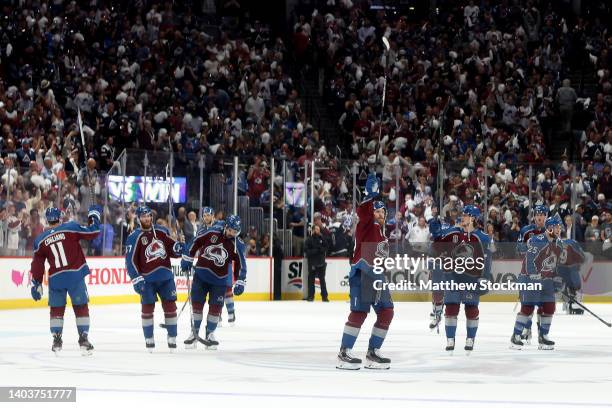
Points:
(284, 354)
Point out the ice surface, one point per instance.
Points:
(283, 354)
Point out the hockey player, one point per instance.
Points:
(148, 252)
(568, 279)
(214, 249)
(465, 241)
(208, 221)
(528, 231)
(539, 266)
(208, 218)
(370, 243)
(59, 245)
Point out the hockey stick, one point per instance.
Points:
(382, 108)
(573, 299)
(80, 122)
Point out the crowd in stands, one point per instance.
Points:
(481, 87)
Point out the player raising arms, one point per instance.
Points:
(59, 245)
(214, 249)
(528, 231)
(539, 266)
(464, 242)
(148, 252)
(370, 243)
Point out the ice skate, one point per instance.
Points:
(469, 345)
(450, 345)
(191, 342)
(57, 343)
(210, 342)
(86, 346)
(515, 342)
(231, 319)
(172, 343)
(545, 343)
(150, 343)
(436, 318)
(375, 361)
(347, 361)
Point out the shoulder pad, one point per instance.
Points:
(162, 229)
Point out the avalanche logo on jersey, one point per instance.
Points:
(216, 253)
(155, 250)
(549, 263)
(463, 250)
(382, 249)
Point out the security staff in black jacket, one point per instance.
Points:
(315, 249)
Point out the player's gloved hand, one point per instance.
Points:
(36, 290)
(435, 227)
(558, 283)
(186, 265)
(239, 287)
(371, 185)
(139, 284)
(95, 212)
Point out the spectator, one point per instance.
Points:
(419, 237)
(191, 226)
(315, 249)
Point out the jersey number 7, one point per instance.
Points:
(59, 254)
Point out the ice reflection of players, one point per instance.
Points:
(465, 241)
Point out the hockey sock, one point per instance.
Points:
(57, 319)
(548, 309)
(351, 329)
(471, 322)
(437, 308)
(81, 313)
(214, 313)
(169, 307)
(437, 298)
(450, 320)
(229, 300)
(379, 331)
(198, 315)
(147, 320)
(523, 319)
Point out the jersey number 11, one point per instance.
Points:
(58, 254)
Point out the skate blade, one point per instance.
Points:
(468, 352)
(57, 352)
(545, 347)
(342, 365)
(191, 346)
(377, 366)
(232, 324)
(85, 352)
(214, 347)
(515, 347)
(172, 350)
(450, 352)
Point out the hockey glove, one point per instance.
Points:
(36, 290)
(139, 284)
(239, 287)
(558, 283)
(371, 185)
(95, 212)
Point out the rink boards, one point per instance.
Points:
(109, 282)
